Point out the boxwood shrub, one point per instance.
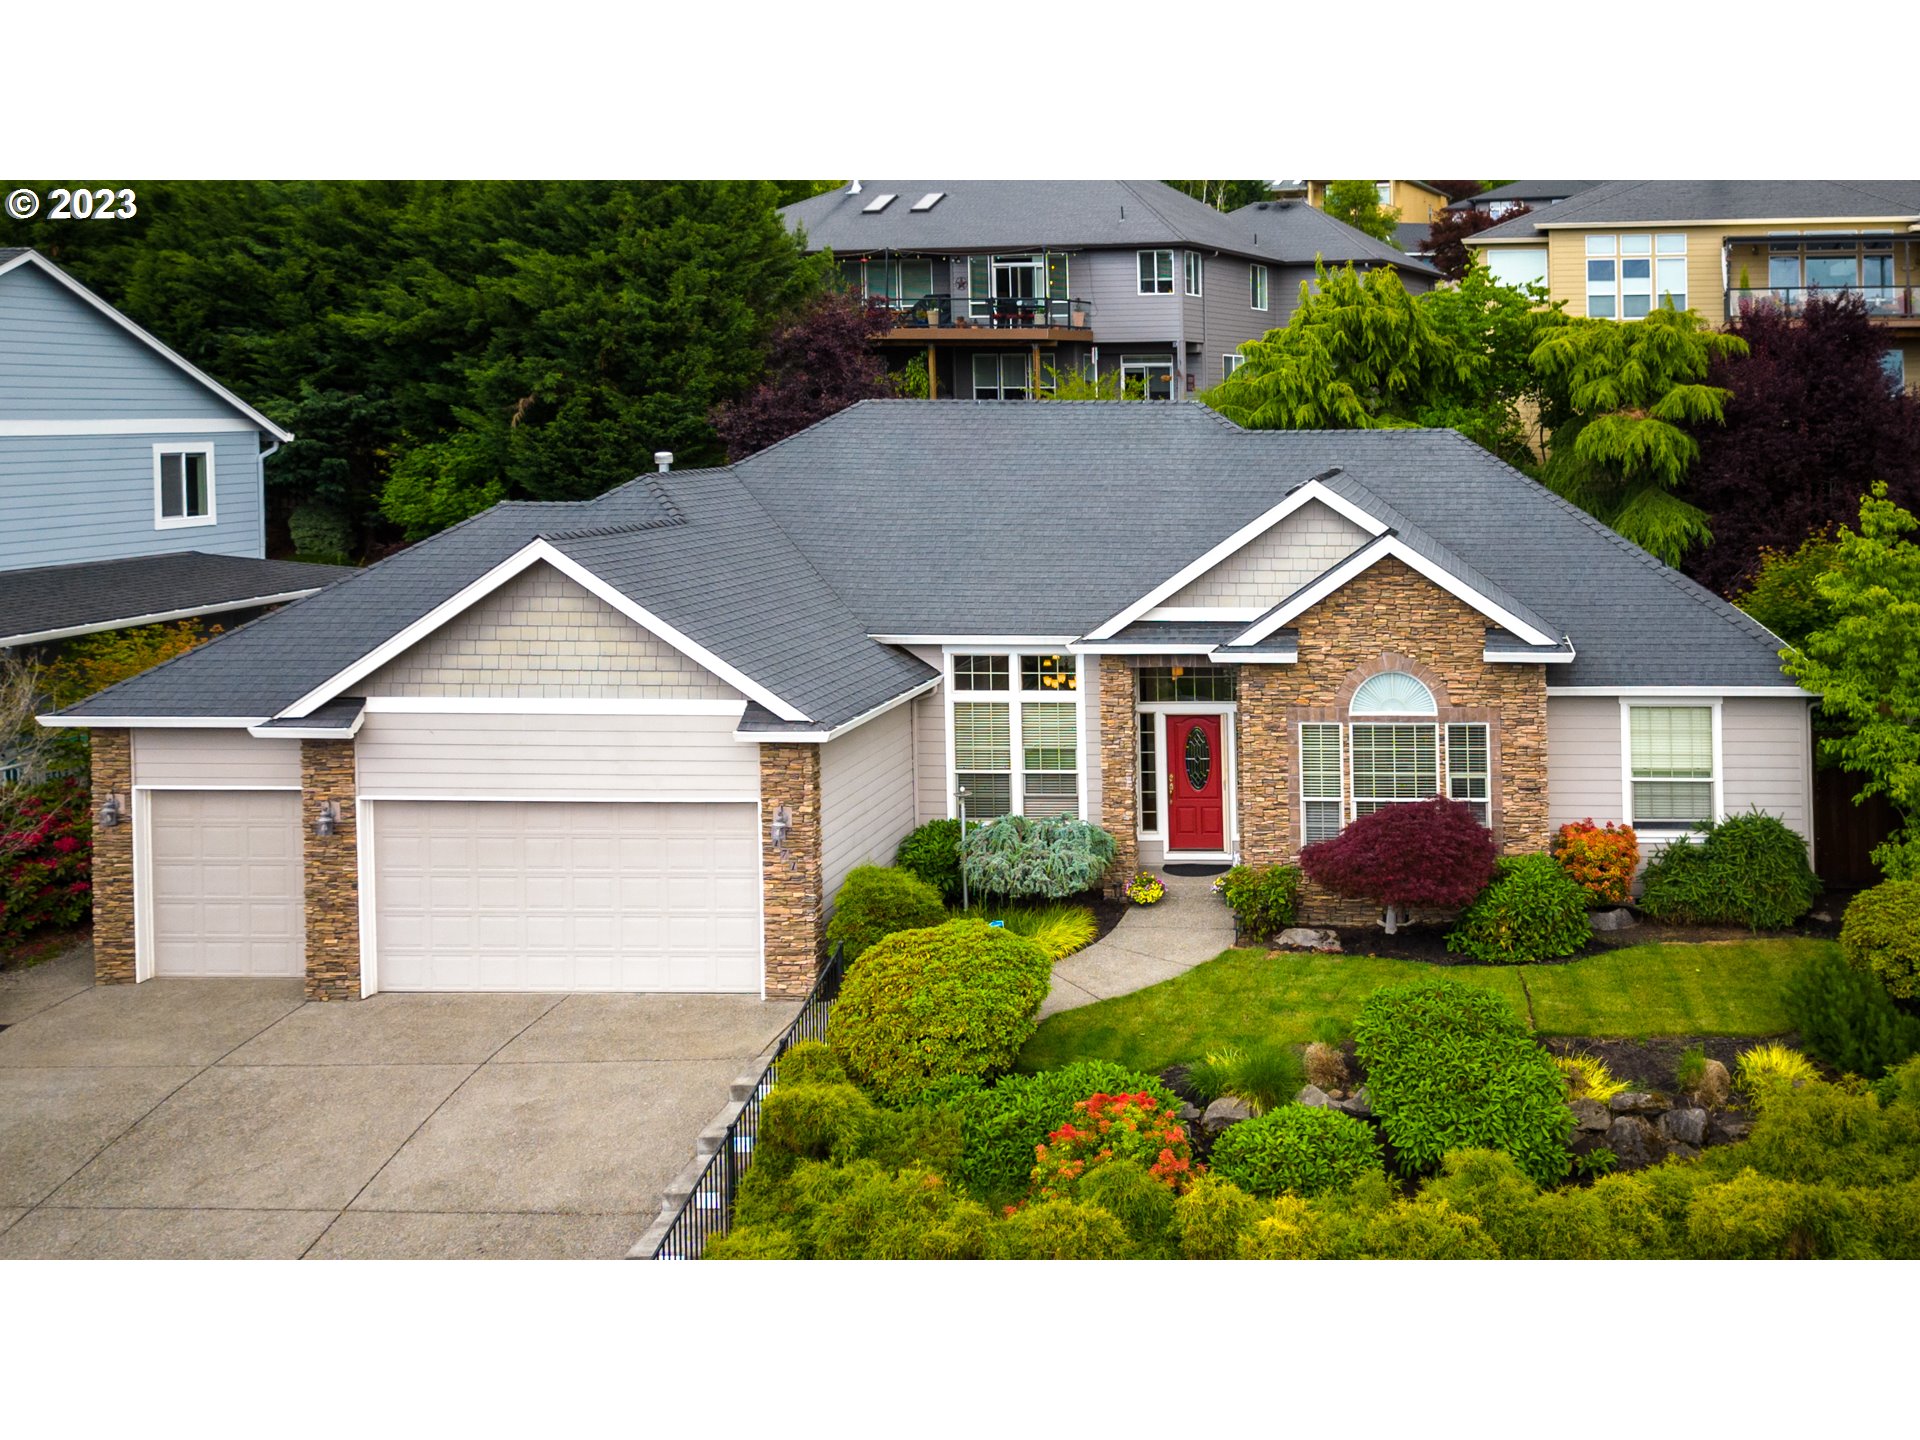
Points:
(1450, 1067)
(1533, 910)
(875, 902)
(1296, 1150)
(1747, 869)
(1263, 899)
(1881, 936)
(933, 853)
(925, 1009)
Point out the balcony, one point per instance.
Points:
(1894, 304)
(1020, 319)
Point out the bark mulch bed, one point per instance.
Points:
(1649, 1064)
(29, 953)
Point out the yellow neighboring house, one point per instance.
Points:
(1625, 246)
(1416, 200)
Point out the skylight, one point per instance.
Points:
(929, 200)
(878, 203)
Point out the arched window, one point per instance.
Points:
(1392, 692)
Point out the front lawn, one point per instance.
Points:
(1250, 996)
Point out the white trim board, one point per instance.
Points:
(224, 426)
(534, 552)
(158, 617)
(152, 342)
(1520, 657)
(152, 722)
(1313, 489)
(549, 798)
(1704, 692)
(1057, 641)
(544, 705)
(1364, 559)
(309, 732)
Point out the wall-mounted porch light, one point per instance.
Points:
(112, 811)
(327, 822)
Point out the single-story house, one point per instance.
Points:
(636, 743)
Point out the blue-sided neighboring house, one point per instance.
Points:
(131, 483)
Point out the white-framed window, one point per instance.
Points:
(1627, 275)
(1156, 272)
(1468, 772)
(1195, 269)
(1257, 286)
(1384, 189)
(1154, 373)
(1673, 771)
(1516, 265)
(1018, 752)
(1894, 362)
(1231, 363)
(1322, 782)
(182, 486)
(1393, 765)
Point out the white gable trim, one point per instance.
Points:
(150, 341)
(266, 731)
(152, 722)
(1520, 657)
(535, 552)
(1239, 540)
(1363, 560)
(1241, 613)
(224, 425)
(1746, 692)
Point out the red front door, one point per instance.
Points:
(1196, 783)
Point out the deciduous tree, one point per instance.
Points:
(1447, 236)
(1357, 202)
(820, 363)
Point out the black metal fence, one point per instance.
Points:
(708, 1209)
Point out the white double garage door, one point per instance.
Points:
(473, 895)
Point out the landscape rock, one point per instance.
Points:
(1591, 1115)
(1189, 1113)
(1683, 1152)
(1614, 919)
(1636, 1143)
(1726, 1129)
(1357, 1105)
(1685, 1127)
(1715, 1085)
(1227, 1110)
(1314, 1095)
(1638, 1102)
(1302, 939)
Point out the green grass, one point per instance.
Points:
(1248, 997)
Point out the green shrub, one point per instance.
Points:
(1263, 899)
(1000, 1127)
(753, 1242)
(1533, 910)
(865, 1210)
(1588, 1078)
(1881, 936)
(1061, 1230)
(1845, 1017)
(1212, 1219)
(1767, 1069)
(1057, 929)
(926, 1009)
(1449, 1067)
(1900, 1085)
(1135, 1198)
(320, 532)
(1055, 856)
(809, 1062)
(1749, 870)
(1264, 1076)
(933, 853)
(875, 902)
(1296, 1150)
(814, 1122)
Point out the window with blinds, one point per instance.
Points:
(983, 756)
(1467, 771)
(1016, 747)
(1050, 758)
(1320, 782)
(1672, 760)
(1393, 764)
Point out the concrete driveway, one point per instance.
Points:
(230, 1119)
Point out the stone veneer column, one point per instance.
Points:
(1119, 778)
(1266, 760)
(113, 860)
(332, 871)
(792, 884)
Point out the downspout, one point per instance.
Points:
(265, 455)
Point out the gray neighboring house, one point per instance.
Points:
(131, 483)
(637, 742)
(1504, 199)
(997, 281)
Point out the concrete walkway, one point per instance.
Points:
(1150, 944)
(229, 1119)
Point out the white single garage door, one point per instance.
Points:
(519, 895)
(227, 888)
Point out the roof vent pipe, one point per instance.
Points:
(664, 460)
(854, 188)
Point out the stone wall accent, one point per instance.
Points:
(1119, 767)
(332, 871)
(1388, 618)
(113, 961)
(793, 883)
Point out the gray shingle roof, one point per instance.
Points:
(107, 594)
(1070, 214)
(1679, 202)
(983, 518)
(1530, 192)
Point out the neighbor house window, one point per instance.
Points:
(1627, 275)
(1516, 265)
(1894, 362)
(183, 486)
(1231, 363)
(1156, 272)
(1001, 377)
(1019, 753)
(1384, 189)
(1467, 772)
(1257, 286)
(1151, 375)
(1321, 790)
(1194, 267)
(1670, 754)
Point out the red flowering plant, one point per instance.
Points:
(46, 858)
(1113, 1127)
(1601, 860)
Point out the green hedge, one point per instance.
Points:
(1846, 1018)
(933, 853)
(1534, 910)
(1746, 870)
(875, 902)
(1296, 1150)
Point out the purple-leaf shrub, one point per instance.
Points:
(1432, 853)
